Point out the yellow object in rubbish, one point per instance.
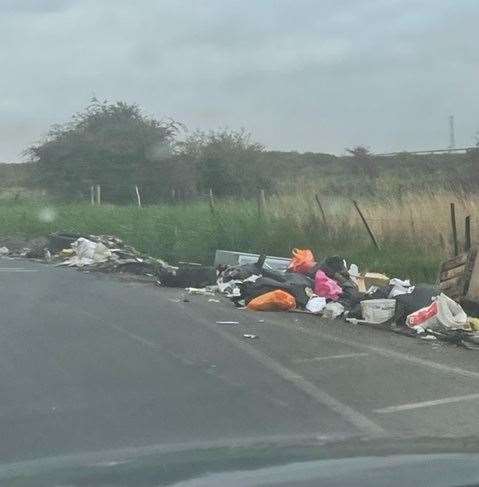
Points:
(473, 323)
(361, 284)
(66, 253)
(375, 279)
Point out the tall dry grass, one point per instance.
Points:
(416, 219)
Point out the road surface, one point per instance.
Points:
(89, 363)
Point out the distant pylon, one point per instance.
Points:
(452, 135)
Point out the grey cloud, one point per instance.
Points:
(301, 74)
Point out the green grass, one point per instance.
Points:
(190, 232)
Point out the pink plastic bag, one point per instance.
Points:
(326, 287)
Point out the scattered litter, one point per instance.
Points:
(354, 321)
(333, 310)
(108, 253)
(302, 284)
(4, 251)
(300, 311)
(427, 337)
(199, 291)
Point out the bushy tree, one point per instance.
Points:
(111, 144)
(363, 162)
(227, 161)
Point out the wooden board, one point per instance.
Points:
(452, 283)
(461, 259)
(459, 277)
(472, 292)
(457, 271)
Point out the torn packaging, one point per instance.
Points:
(441, 315)
(87, 253)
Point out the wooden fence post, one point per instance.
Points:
(454, 229)
(467, 234)
(212, 200)
(366, 224)
(261, 203)
(92, 195)
(98, 194)
(138, 198)
(321, 209)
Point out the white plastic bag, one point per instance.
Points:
(354, 273)
(333, 310)
(87, 253)
(400, 287)
(443, 313)
(316, 304)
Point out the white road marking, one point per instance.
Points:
(385, 352)
(16, 269)
(354, 417)
(330, 357)
(426, 404)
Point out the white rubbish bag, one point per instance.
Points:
(400, 287)
(87, 253)
(316, 304)
(443, 314)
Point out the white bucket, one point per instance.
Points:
(378, 310)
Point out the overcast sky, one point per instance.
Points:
(306, 75)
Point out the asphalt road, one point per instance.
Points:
(89, 363)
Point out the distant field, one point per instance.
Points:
(413, 230)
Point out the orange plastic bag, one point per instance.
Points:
(303, 261)
(277, 300)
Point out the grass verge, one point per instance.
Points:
(412, 232)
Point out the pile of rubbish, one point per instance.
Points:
(331, 289)
(107, 253)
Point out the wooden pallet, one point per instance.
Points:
(459, 277)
